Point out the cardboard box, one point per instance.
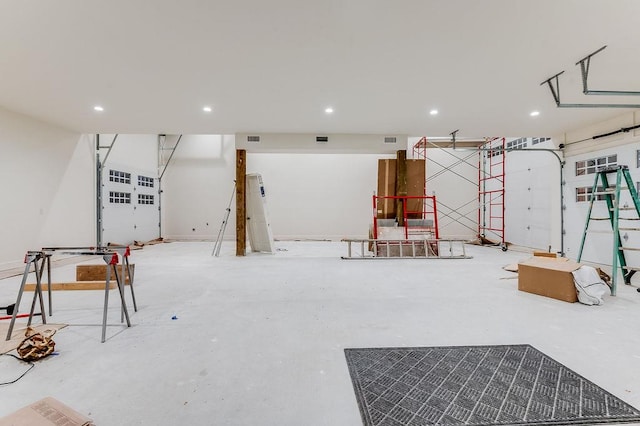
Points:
(548, 277)
(46, 412)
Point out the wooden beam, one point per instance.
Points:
(401, 183)
(74, 285)
(241, 202)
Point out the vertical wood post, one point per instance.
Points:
(241, 202)
(401, 184)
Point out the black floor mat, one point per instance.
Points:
(476, 385)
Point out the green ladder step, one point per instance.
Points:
(611, 195)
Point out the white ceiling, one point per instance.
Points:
(273, 66)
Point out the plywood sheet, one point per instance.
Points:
(386, 188)
(98, 272)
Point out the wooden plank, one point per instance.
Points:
(544, 254)
(241, 202)
(99, 272)
(401, 183)
(73, 285)
(386, 188)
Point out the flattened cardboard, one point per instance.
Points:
(46, 412)
(548, 277)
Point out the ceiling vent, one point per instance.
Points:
(322, 139)
(253, 138)
(390, 139)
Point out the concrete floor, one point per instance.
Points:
(259, 340)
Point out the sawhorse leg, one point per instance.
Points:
(28, 260)
(112, 260)
(130, 272)
(37, 294)
(48, 260)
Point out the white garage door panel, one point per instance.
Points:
(528, 204)
(130, 210)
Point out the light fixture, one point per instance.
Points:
(98, 108)
(534, 113)
(207, 109)
(433, 112)
(328, 110)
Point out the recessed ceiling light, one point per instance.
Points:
(535, 113)
(207, 109)
(98, 108)
(433, 112)
(328, 110)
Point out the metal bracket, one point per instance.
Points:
(555, 92)
(108, 147)
(453, 137)
(584, 68)
(173, 150)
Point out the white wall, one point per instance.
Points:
(288, 143)
(47, 187)
(318, 196)
(598, 247)
(136, 151)
(197, 187)
(311, 194)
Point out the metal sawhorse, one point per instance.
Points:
(42, 258)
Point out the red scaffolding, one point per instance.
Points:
(491, 177)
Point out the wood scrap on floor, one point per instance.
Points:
(483, 241)
(18, 334)
(137, 245)
(133, 246)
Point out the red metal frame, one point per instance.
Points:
(429, 210)
(491, 178)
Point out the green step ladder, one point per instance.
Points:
(611, 193)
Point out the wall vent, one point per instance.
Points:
(322, 139)
(253, 138)
(390, 139)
